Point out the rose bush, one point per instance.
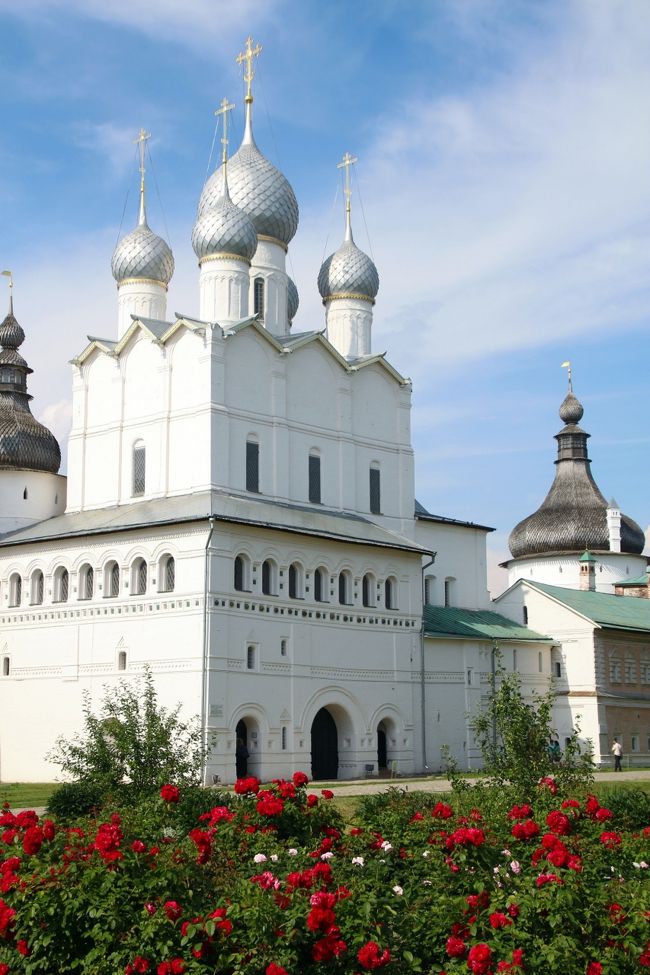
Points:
(270, 881)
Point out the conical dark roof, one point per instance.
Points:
(25, 444)
(573, 516)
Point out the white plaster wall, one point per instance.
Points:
(461, 557)
(29, 496)
(269, 263)
(146, 299)
(564, 570)
(349, 326)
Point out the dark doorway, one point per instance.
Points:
(382, 761)
(324, 747)
(241, 750)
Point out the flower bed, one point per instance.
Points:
(270, 882)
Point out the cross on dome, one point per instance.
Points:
(567, 365)
(346, 162)
(224, 109)
(247, 56)
(143, 137)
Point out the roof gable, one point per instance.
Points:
(602, 608)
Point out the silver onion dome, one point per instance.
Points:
(293, 300)
(257, 188)
(224, 229)
(25, 444)
(348, 272)
(142, 253)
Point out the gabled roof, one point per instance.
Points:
(223, 506)
(602, 608)
(641, 580)
(477, 624)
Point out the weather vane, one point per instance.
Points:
(8, 274)
(567, 365)
(247, 56)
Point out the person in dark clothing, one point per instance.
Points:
(241, 758)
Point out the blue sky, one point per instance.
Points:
(504, 152)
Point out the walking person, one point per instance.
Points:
(617, 752)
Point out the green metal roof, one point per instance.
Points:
(639, 581)
(613, 612)
(477, 624)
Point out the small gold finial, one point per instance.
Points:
(224, 109)
(346, 162)
(247, 56)
(143, 137)
(8, 274)
(567, 365)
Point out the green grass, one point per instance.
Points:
(20, 795)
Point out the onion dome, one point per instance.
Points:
(573, 516)
(348, 273)
(142, 254)
(224, 229)
(293, 300)
(25, 444)
(257, 188)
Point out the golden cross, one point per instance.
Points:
(223, 109)
(247, 56)
(347, 161)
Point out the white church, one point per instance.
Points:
(239, 515)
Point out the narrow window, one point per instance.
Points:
(558, 668)
(284, 738)
(139, 468)
(86, 582)
(635, 743)
(630, 670)
(6, 667)
(295, 581)
(375, 491)
(614, 669)
(139, 578)
(250, 657)
(167, 573)
(514, 658)
(449, 592)
(25, 495)
(252, 466)
(283, 648)
(469, 676)
(390, 593)
(112, 580)
(121, 660)
(429, 584)
(368, 590)
(239, 574)
(38, 588)
(645, 668)
(15, 590)
(539, 661)
(525, 615)
(314, 478)
(344, 588)
(61, 586)
(258, 297)
(269, 578)
(320, 586)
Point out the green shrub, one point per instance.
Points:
(72, 800)
(631, 807)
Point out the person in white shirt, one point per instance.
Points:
(617, 752)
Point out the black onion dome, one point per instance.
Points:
(25, 444)
(573, 516)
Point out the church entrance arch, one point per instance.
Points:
(324, 746)
(241, 749)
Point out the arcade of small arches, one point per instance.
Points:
(328, 740)
(324, 585)
(108, 580)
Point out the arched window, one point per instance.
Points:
(167, 574)
(614, 668)
(645, 667)
(253, 466)
(320, 585)
(258, 297)
(369, 590)
(37, 588)
(86, 582)
(269, 578)
(242, 573)
(345, 588)
(6, 667)
(139, 578)
(121, 660)
(390, 593)
(139, 468)
(111, 580)
(25, 495)
(429, 590)
(296, 587)
(375, 489)
(15, 589)
(630, 669)
(450, 585)
(61, 585)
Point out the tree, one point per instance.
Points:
(133, 740)
(515, 736)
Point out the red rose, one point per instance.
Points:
(456, 947)
(644, 959)
(442, 811)
(170, 793)
(499, 920)
(274, 969)
(611, 840)
(312, 799)
(327, 793)
(173, 910)
(249, 784)
(138, 846)
(23, 948)
(559, 823)
(33, 840)
(4, 969)
(594, 968)
(299, 779)
(371, 956)
(139, 964)
(479, 958)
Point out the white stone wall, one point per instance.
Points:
(564, 570)
(29, 496)
(460, 559)
(144, 298)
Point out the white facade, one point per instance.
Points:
(564, 569)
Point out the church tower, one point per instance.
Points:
(142, 265)
(31, 489)
(348, 283)
(574, 517)
(265, 196)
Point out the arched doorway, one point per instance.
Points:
(324, 746)
(382, 754)
(241, 750)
